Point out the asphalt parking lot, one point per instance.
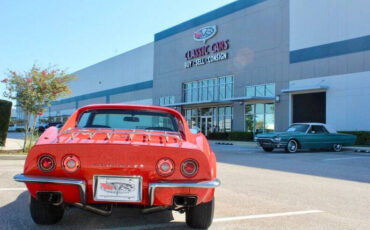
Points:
(306, 190)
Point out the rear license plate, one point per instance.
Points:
(117, 188)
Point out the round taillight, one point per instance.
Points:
(71, 163)
(165, 167)
(46, 163)
(189, 168)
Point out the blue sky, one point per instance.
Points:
(74, 34)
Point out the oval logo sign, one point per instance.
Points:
(205, 33)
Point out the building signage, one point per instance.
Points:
(207, 53)
(205, 33)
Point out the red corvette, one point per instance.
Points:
(131, 155)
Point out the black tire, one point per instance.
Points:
(200, 216)
(268, 149)
(44, 213)
(292, 146)
(337, 147)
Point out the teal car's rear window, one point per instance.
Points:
(298, 128)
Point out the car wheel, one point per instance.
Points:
(292, 146)
(200, 216)
(267, 149)
(337, 147)
(45, 213)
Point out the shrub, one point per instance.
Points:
(33, 90)
(232, 136)
(5, 113)
(363, 137)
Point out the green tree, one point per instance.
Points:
(34, 90)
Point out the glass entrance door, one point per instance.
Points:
(206, 124)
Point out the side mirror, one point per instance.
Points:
(313, 132)
(195, 130)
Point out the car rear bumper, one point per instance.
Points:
(203, 184)
(54, 180)
(81, 185)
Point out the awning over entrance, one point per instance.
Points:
(200, 103)
(305, 89)
(254, 98)
(230, 100)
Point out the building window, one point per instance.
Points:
(228, 119)
(222, 88)
(195, 92)
(188, 117)
(267, 90)
(250, 91)
(270, 90)
(209, 90)
(260, 90)
(220, 118)
(204, 90)
(249, 118)
(260, 117)
(269, 117)
(172, 100)
(221, 121)
(167, 100)
(229, 87)
(188, 90)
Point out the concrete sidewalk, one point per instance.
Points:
(238, 143)
(12, 145)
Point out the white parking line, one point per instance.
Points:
(13, 189)
(344, 158)
(234, 218)
(223, 219)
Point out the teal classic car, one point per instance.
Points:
(305, 136)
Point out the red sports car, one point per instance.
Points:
(105, 155)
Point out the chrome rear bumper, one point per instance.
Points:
(82, 185)
(54, 180)
(203, 184)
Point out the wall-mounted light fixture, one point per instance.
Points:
(277, 98)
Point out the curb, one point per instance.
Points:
(12, 157)
(10, 151)
(223, 143)
(360, 150)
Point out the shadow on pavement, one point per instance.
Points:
(345, 165)
(15, 215)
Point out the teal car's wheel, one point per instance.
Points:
(337, 147)
(292, 146)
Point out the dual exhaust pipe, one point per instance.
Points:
(179, 203)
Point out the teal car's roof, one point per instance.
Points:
(329, 128)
